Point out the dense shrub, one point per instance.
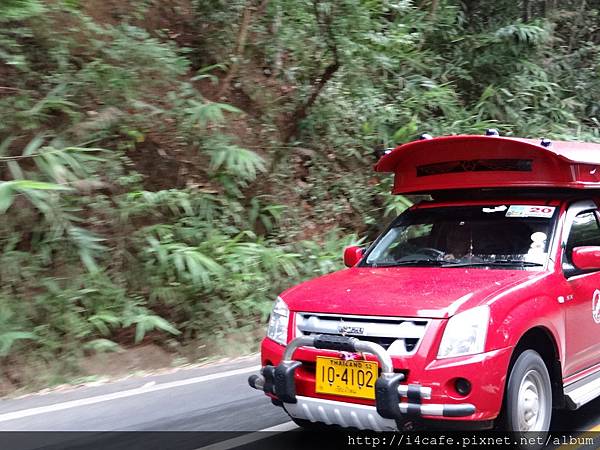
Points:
(169, 167)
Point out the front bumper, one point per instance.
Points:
(344, 414)
(278, 382)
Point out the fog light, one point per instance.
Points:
(462, 386)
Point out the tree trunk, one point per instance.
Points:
(579, 19)
(290, 130)
(278, 59)
(433, 10)
(301, 112)
(526, 12)
(240, 45)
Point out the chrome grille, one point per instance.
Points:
(400, 336)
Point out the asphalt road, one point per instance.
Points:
(207, 399)
(213, 398)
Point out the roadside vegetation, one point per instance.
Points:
(168, 167)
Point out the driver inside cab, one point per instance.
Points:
(459, 242)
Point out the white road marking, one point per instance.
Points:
(248, 438)
(145, 389)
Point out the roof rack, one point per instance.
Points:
(491, 161)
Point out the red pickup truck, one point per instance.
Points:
(477, 308)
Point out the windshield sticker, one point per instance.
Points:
(530, 211)
(495, 209)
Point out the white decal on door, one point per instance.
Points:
(596, 306)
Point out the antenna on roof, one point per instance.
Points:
(546, 142)
(492, 132)
(425, 136)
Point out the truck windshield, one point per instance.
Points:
(499, 236)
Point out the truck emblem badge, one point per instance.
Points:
(345, 329)
(596, 306)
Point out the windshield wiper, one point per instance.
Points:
(497, 262)
(409, 262)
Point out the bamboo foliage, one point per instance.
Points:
(165, 185)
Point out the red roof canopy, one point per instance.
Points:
(472, 162)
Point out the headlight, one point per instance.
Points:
(278, 323)
(465, 333)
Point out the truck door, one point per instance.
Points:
(582, 308)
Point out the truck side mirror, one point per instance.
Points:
(352, 255)
(586, 258)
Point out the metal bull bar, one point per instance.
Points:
(279, 380)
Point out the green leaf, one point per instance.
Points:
(145, 323)
(6, 196)
(8, 339)
(5, 145)
(102, 321)
(24, 185)
(162, 324)
(212, 67)
(140, 332)
(34, 145)
(404, 133)
(229, 108)
(102, 346)
(240, 162)
(15, 170)
(20, 9)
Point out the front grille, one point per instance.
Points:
(399, 336)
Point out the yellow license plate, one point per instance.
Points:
(350, 378)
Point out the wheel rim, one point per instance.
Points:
(532, 402)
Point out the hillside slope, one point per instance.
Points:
(169, 166)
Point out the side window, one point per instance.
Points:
(585, 231)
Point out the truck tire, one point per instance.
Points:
(528, 406)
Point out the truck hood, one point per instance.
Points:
(403, 291)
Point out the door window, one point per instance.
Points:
(584, 231)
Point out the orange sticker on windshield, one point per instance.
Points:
(530, 211)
